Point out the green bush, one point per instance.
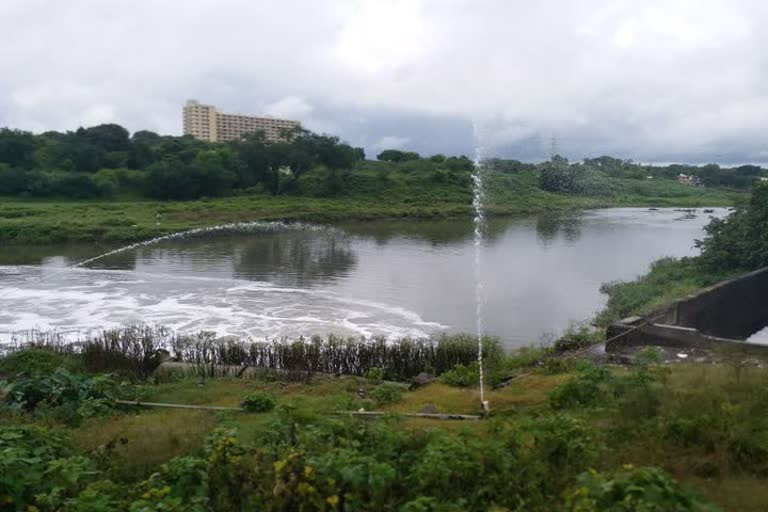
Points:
(577, 337)
(462, 376)
(74, 395)
(586, 390)
(564, 442)
(632, 490)
(739, 241)
(37, 466)
(258, 402)
(384, 394)
(33, 362)
(375, 373)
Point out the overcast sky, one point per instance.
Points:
(669, 80)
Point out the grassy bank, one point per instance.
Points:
(562, 436)
(46, 221)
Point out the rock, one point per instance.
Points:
(421, 379)
(428, 409)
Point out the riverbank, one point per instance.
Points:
(48, 221)
(562, 435)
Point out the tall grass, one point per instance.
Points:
(139, 350)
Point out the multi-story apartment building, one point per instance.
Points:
(204, 122)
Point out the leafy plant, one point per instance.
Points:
(62, 388)
(586, 390)
(34, 362)
(258, 402)
(462, 376)
(632, 489)
(384, 394)
(375, 373)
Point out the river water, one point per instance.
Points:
(395, 278)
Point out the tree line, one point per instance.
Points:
(596, 176)
(107, 161)
(99, 160)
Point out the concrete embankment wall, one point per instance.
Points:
(736, 308)
(723, 315)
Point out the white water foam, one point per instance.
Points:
(73, 303)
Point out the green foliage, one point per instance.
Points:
(462, 376)
(588, 389)
(394, 155)
(577, 337)
(258, 402)
(632, 490)
(33, 362)
(565, 442)
(384, 394)
(558, 175)
(375, 373)
(105, 162)
(36, 465)
(740, 241)
(72, 395)
(668, 279)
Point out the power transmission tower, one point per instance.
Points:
(553, 148)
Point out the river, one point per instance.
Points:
(395, 278)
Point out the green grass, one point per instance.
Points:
(46, 221)
(669, 279)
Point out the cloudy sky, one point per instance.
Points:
(652, 80)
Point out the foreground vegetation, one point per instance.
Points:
(563, 435)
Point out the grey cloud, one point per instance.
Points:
(653, 80)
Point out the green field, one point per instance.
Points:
(48, 220)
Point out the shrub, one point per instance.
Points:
(462, 376)
(632, 489)
(384, 394)
(258, 402)
(375, 373)
(566, 444)
(34, 361)
(37, 467)
(586, 390)
(89, 395)
(576, 338)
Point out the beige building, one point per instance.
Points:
(204, 122)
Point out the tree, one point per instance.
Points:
(395, 155)
(557, 176)
(740, 241)
(109, 137)
(17, 148)
(438, 158)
